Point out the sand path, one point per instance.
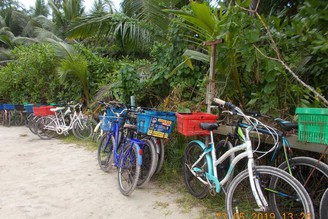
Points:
(52, 179)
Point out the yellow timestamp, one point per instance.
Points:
(266, 215)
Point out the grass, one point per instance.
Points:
(88, 144)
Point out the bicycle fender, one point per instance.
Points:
(138, 144)
(208, 156)
(139, 155)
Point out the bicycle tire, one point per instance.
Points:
(323, 205)
(32, 124)
(28, 117)
(17, 118)
(129, 170)
(1, 116)
(271, 179)
(194, 186)
(83, 128)
(161, 154)
(97, 133)
(8, 116)
(149, 162)
(105, 152)
(301, 168)
(46, 127)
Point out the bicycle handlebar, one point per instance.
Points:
(224, 103)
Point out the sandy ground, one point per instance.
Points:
(51, 179)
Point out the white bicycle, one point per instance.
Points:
(65, 119)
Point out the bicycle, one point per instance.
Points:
(129, 128)
(323, 205)
(269, 186)
(125, 153)
(62, 122)
(312, 173)
(11, 115)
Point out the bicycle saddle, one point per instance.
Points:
(130, 126)
(57, 109)
(286, 125)
(209, 126)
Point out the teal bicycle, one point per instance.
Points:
(256, 191)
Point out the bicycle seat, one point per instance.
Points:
(286, 125)
(130, 126)
(57, 109)
(209, 126)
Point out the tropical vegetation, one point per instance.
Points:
(273, 57)
(153, 50)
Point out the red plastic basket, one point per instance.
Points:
(188, 123)
(43, 111)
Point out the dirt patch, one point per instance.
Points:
(51, 179)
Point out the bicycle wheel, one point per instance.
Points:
(193, 184)
(28, 117)
(149, 162)
(105, 152)
(32, 124)
(129, 170)
(97, 133)
(312, 174)
(17, 118)
(46, 127)
(286, 197)
(1, 116)
(323, 205)
(83, 128)
(161, 154)
(8, 120)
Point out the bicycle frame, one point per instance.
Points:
(211, 174)
(61, 127)
(134, 143)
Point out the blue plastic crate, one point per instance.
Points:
(29, 108)
(1, 106)
(108, 122)
(8, 106)
(156, 123)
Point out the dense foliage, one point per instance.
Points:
(138, 54)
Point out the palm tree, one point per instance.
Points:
(102, 7)
(72, 63)
(64, 13)
(40, 8)
(205, 25)
(135, 30)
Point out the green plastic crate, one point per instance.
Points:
(313, 125)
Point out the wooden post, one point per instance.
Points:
(211, 79)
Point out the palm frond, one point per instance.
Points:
(25, 40)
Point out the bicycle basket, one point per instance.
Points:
(28, 108)
(8, 106)
(156, 123)
(115, 110)
(313, 125)
(43, 111)
(188, 123)
(108, 122)
(19, 107)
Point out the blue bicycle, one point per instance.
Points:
(122, 151)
